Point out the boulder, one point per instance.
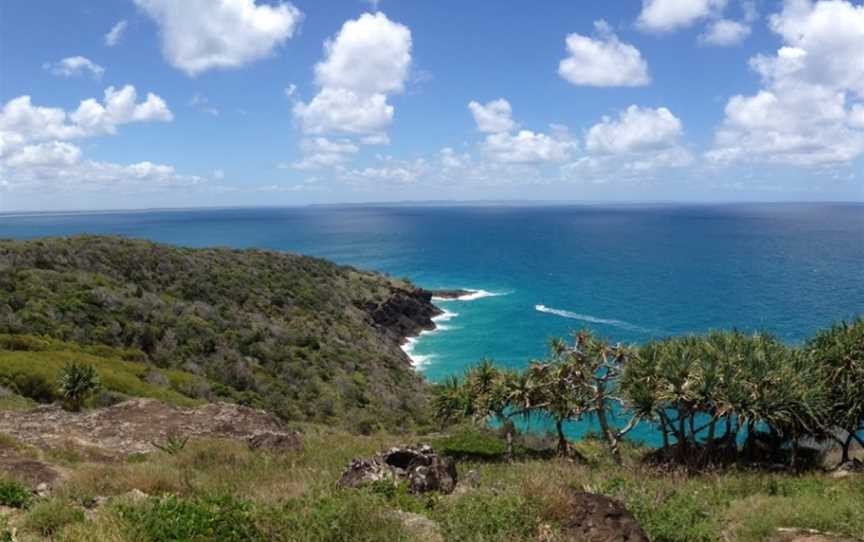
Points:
(597, 518)
(420, 527)
(420, 466)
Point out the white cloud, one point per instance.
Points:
(335, 110)
(669, 15)
(75, 66)
(635, 129)
(603, 61)
(725, 33)
(51, 154)
(370, 55)
(200, 35)
(320, 152)
(495, 116)
(219, 174)
(527, 147)
(450, 159)
(390, 172)
(114, 35)
(802, 115)
(368, 60)
(35, 152)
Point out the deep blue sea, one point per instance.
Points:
(629, 272)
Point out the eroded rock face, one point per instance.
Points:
(133, 426)
(597, 518)
(421, 467)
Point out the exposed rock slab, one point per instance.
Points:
(420, 466)
(132, 426)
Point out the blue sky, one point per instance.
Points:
(158, 103)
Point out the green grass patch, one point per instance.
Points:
(48, 518)
(472, 443)
(36, 373)
(14, 494)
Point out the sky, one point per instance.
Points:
(122, 104)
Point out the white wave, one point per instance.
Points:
(588, 318)
(445, 316)
(473, 295)
(417, 360)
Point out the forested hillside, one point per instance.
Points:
(302, 337)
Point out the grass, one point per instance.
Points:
(40, 371)
(14, 494)
(221, 490)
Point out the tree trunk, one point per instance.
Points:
(562, 441)
(608, 434)
(509, 433)
(846, 445)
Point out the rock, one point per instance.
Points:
(420, 527)
(596, 518)
(361, 472)
(42, 490)
(276, 442)
(135, 495)
(421, 467)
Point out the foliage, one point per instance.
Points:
(174, 443)
(172, 518)
(47, 518)
(279, 331)
(472, 443)
(838, 353)
(14, 494)
(78, 381)
(488, 518)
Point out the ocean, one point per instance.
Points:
(628, 272)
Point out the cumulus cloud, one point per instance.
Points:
(369, 55)
(321, 152)
(114, 35)
(75, 66)
(725, 32)
(335, 110)
(495, 116)
(603, 61)
(807, 111)
(669, 15)
(635, 129)
(36, 152)
(527, 147)
(368, 60)
(200, 35)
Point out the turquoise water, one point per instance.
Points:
(628, 272)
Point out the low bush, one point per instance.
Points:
(14, 494)
(172, 518)
(48, 518)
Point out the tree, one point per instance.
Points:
(596, 367)
(838, 352)
(78, 381)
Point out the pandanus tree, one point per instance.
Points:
(595, 366)
(838, 352)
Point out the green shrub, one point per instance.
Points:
(47, 518)
(488, 518)
(14, 494)
(23, 343)
(172, 518)
(34, 386)
(78, 381)
(474, 444)
(350, 516)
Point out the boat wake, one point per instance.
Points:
(588, 318)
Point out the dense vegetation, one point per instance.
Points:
(705, 394)
(292, 334)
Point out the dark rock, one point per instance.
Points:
(596, 518)
(421, 467)
(276, 442)
(405, 313)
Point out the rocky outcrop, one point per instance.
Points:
(404, 314)
(597, 518)
(133, 426)
(276, 442)
(422, 468)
